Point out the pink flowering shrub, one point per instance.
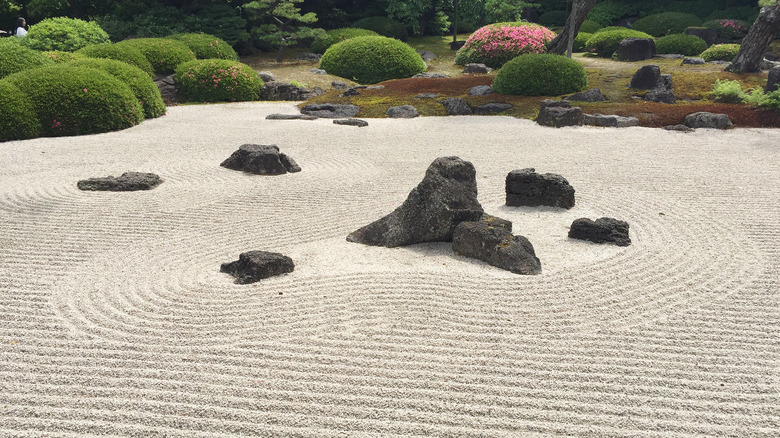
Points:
(728, 29)
(218, 80)
(494, 45)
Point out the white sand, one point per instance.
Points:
(115, 320)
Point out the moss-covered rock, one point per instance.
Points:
(119, 52)
(217, 80)
(164, 54)
(19, 120)
(540, 75)
(206, 46)
(372, 59)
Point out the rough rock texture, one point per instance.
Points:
(426, 55)
(681, 128)
(646, 78)
(603, 230)
(773, 80)
(353, 91)
(254, 266)
(168, 89)
(481, 90)
(261, 160)
(495, 221)
(710, 36)
(402, 112)
(446, 197)
(492, 108)
(476, 68)
(669, 56)
(266, 76)
(636, 49)
(339, 85)
(430, 75)
(318, 71)
(771, 56)
(427, 96)
(496, 246)
(456, 45)
(351, 122)
(592, 95)
(127, 182)
(705, 119)
(660, 95)
(665, 81)
(456, 106)
(330, 110)
(609, 120)
(290, 117)
(286, 91)
(768, 65)
(693, 61)
(558, 114)
(525, 187)
(551, 103)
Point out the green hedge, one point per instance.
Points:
(688, 45)
(666, 23)
(60, 57)
(372, 59)
(206, 46)
(540, 75)
(15, 58)
(383, 26)
(66, 34)
(215, 80)
(320, 45)
(118, 52)
(580, 41)
(590, 26)
(164, 54)
(720, 52)
(605, 43)
(19, 120)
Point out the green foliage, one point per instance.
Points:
(439, 25)
(540, 75)
(283, 23)
(580, 40)
(78, 100)
(725, 91)
(666, 23)
(372, 59)
(142, 86)
(206, 46)
(14, 57)
(119, 52)
(605, 43)
(590, 26)
(66, 34)
(506, 10)
(40, 9)
(19, 120)
(744, 13)
(331, 37)
(164, 54)
(720, 52)
(758, 97)
(60, 57)
(606, 12)
(608, 28)
(728, 29)
(383, 26)
(554, 18)
(223, 21)
(408, 12)
(688, 45)
(217, 80)
(495, 44)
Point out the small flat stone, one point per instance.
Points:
(266, 76)
(492, 108)
(351, 122)
(318, 71)
(694, 61)
(430, 75)
(290, 117)
(427, 96)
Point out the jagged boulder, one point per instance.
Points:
(525, 187)
(254, 266)
(603, 230)
(636, 49)
(480, 90)
(127, 182)
(704, 119)
(558, 113)
(496, 246)
(260, 160)
(773, 80)
(646, 78)
(456, 106)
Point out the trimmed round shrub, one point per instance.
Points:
(15, 57)
(19, 120)
(117, 52)
(540, 75)
(720, 52)
(78, 100)
(372, 59)
(605, 43)
(494, 45)
(60, 57)
(553, 18)
(142, 86)
(666, 23)
(320, 45)
(164, 54)
(383, 26)
(66, 34)
(580, 40)
(688, 45)
(206, 46)
(728, 29)
(608, 28)
(590, 26)
(218, 80)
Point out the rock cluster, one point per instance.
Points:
(603, 230)
(558, 113)
(127, 182)
(525, 187)
(254, 266)
(260, 160)
(168, 89)
(649, 77)
(284, 91)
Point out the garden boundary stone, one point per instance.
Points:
(481, 90)
(613, 121)
(704, 119)
(558, 114)
(773, 80)
(290, 117)
(430, 75)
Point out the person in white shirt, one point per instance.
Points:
(20, 27)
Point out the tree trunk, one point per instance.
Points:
(280, 54)
(752, 48)
(455, 21)
(559, 45)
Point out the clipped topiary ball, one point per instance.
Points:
(143, 87)
(77, 100)
(495, 44)
(164, 54)
(320, 45)
(66, 34)
(688, 45)
(217, 80)
(540, 75)
(19, 120)
(590, 26)
(60, 57)
(383, 26)
(720, 52)
(605, 43)
(206, 46)
(372, 59)
(125, 53)
(666, 23)
(15, 57)
(580, 40)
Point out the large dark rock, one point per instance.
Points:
(710, 36)
(592, 95)
(446, 197)
(266, 76)
(476, 68)
(773, 80)
(402, 112)
(168, 89)
(703, 119)
(283, 91)
(261, 160)
(604, 230)
(525, 187)
(254, 266)
(127, 182)
(492, 108)
(559, 114)
(496, 246)
(330, 110)
(646, 78)
(481, 90)
(456, 45)
(456, 106)
(613, 121)
(552, 103)
(636, 49)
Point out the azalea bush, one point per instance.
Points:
(19, 120)
(14, 57)
(494, 45)
(164, 54)
(217, 80)
(60, 57)
(729, 29)
(720, 52)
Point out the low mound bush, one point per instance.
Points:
(495, 45)
(605, 43)
(372, 59)
(60, 57)
(383, 26)
(164, 54)
(66, 34)
(728, 29)
(15, 57)
(666, 23)
(553, 18)
(19, 120)
(217, 80)
(118, 52)
(590, 26)
(580, 40)
(688, 45)
(78, 100)
(608, 28)
(320, 45)
(206, 46)
(540, 75)
(720, 52)
(142, 86)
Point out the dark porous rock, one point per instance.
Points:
(446, 197)
(603, 230)
(680, 127)
(456, 106)
(613, 121)
(351, 122)
(339, 85)
(773, 80)
(426, 55)
(710, 36)
(266, 76)
(665, 82)
(558, 116)
(254, 266)
(286, 91)
(592, 95)
(636, 49)
(290, 117)
(768, 65)
(496, 246)
(168, 89)
(660, 95)
(492, 108)
(318, 71)
(260, 160)
(354, 91)
(646, 78)
(427, 96)
(481, 90)
(476, 68)
(693, 61)
(771, 56)
(525, 187)
(456, 45)
(552, 103)
(703, 119)
(495, 221)
(430, 75)
(330, 110)
(308, 57)
(128, 182)
(402, 112)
